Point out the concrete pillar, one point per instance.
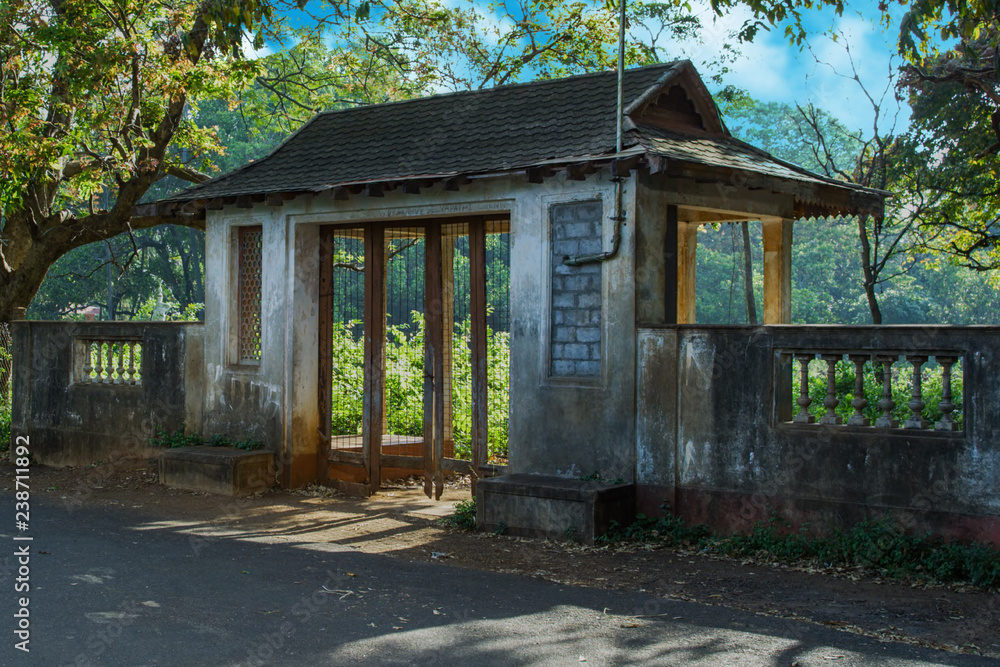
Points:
(687, 245)
(777, 270)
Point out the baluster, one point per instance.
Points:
(121, 363)
(110, 368)
(99, 368)
(946, 406)
(860, 402)
(138, 365)
(831, 402)
(88, 366)
(131, 362)
(916, 403)
(886, 405)
(803, 416)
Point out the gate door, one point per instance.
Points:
(410, 317)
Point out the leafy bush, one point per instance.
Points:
(464, 517)
(667, 530)
(4, 428)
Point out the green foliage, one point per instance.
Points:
(876, 545)
(165, 439)
(464, 517)
(4, 428)
(667, 530)
(827, 281)
(902, 378)
(246, 444)
(150, 274)
(404, 383)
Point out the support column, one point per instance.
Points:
(777, 270)
(373, 420)
(477, 309)
(447, 332)
(687, 246)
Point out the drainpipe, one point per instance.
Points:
(619, 215)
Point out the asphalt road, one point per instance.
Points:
(110, 587)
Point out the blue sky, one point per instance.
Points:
(771, 69)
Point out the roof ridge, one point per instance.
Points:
(421, 99)
(516, 84)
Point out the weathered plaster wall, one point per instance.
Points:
(245, 400)
(556, 426)
(726, 458)
(571, 426)
(75, 423)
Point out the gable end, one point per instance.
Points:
(673, 110)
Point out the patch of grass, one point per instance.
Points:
(464, 517)
(163, 438)
(878, 546)
(667, 530)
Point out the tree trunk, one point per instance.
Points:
(748, 275)
(869, 274)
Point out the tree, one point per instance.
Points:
(99, 99)
(955, 95)
(812, 138)
(950, 166)
(92, 95)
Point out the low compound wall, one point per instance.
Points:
(91, 391)
(724, 435)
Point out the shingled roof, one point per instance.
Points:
(497, 130)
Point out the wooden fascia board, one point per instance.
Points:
(723, 198)
(831, 198)
(704, 216)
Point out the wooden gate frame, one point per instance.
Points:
(432, 462)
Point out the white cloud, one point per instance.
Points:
(772, 69)
(250, 52)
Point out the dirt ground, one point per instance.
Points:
(401, 522)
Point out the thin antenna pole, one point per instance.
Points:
(621, 76)
(619, 215)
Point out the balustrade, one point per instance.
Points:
(867, 382)
(110, 361)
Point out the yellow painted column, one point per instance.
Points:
(687, 246)
(777, 270)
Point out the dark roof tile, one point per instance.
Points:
(473, 132)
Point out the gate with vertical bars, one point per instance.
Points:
(413, 351)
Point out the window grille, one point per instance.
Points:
(249, 284)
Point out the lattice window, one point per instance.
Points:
(249, 286)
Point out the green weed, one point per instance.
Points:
(165, 439)
(464, 517)
(878, 546)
